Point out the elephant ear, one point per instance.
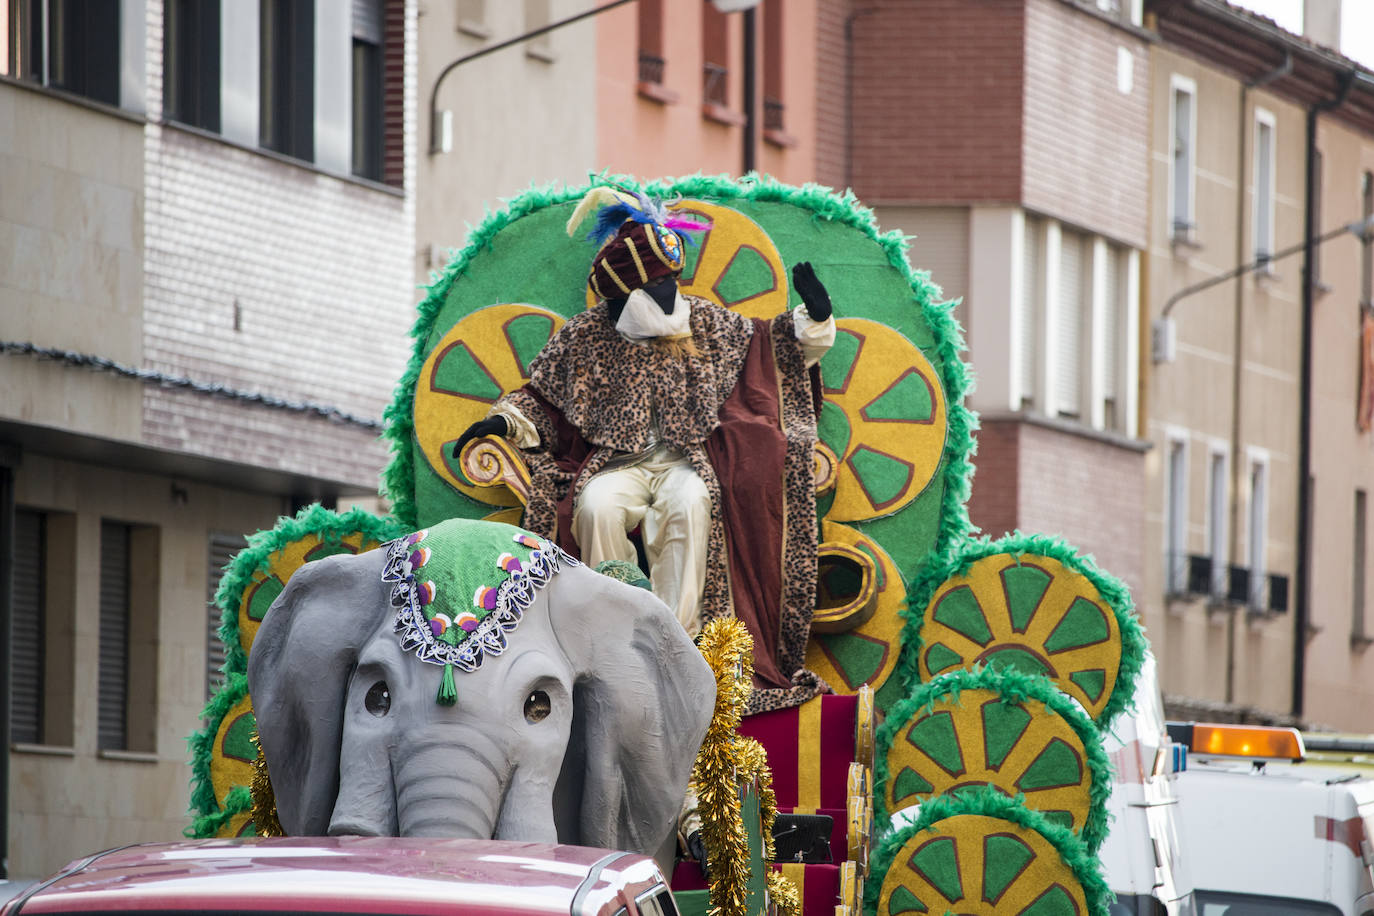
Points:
(298, 674)
(644, 697)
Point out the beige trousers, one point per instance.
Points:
(672, 508)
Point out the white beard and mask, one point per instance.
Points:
(642, 319)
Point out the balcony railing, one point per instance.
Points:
(713, 83)
(650, 68)
(772, 114)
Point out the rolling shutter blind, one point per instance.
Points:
(26, 633)
(1069, 325)
(1033, 282)
(1111, 320)
(111, 728)
(223, 547)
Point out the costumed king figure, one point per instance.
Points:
(665, 412)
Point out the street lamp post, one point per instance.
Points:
(1163, 333)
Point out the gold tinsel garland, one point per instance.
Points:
(264, 810)
(726, 760)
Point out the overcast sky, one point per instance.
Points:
(1357, 23)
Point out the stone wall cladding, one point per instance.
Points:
(317, 271)
(1085, 143)
(937, 101)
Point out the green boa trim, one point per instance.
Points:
(331, 527)
(991, 803)
(328, 525)
(204, 805)
(239, 800)
(398, 480)
(957, 562)
(1015, 686)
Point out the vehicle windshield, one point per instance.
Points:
(1218, 903)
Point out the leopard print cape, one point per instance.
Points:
(610, 388)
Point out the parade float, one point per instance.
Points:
(958, 758)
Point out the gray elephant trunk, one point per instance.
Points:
(448, 791)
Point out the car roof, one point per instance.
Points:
(348, 875)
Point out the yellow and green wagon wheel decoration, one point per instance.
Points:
(483, 356)
(982, 854)
(1030, 604)
(884, 416)
(868, 653)
(223, 753)
(999, 729)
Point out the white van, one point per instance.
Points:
(1141, 857)
(1266, 831)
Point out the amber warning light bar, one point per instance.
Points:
(1257, 741)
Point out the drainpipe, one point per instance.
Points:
(1301, 610)
(750, 71)
(9, 460)
(1238, 351)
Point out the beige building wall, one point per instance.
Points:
(1340, 662)
(525, 116)
(71, 259)
(1232, 390)
(67, 797)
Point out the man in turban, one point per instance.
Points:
(665, 412)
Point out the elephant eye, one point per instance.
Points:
(537, 707)
(378, 699)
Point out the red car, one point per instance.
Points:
(378, 875)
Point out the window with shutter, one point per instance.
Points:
(223, 547)
(112, 702)
(1112, 343)
(27, 630)
(1068, 376)
(1032, 284)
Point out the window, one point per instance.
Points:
(472, 18)
(28, 634)
(1264, 186)
(1358, 565)
(1032, 297)
(223, 548)
(1176, 515)
(651, 60)
(287, 77)
(1183, 161)
(773, 108)
(537, 16)
(1113, 338)
(368, 128)
(1259, 529)
(127, 675)
(66, 44)
(715, 53)
(1074, 266)
(1217, 487)
(191, 78)
(1367, 244)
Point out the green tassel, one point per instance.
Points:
(448, 691)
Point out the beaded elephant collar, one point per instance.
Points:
(459, 587)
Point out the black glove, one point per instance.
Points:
(696, 848)
(812, 290)
(491, 426)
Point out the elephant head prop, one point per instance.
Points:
(473, 680)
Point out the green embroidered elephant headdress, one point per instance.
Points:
(461, 586)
